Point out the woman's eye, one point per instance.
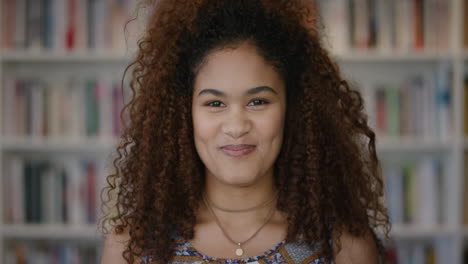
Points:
(215, 104)
(258, 102)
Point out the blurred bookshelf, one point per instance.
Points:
(29, 57)
(409, 60)
(59, 83)
(61, 64)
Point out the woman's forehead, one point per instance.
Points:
(238, 69)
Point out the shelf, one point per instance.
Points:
(411, 144)
(352, 56)
(99, 145)
(370, 56)
(29, 57)
(365, 69)
(415, 232)
(61, 231)
(49, 231)
(57, 145)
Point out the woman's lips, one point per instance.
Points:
(237, 151)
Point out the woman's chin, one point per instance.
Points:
(239, 181)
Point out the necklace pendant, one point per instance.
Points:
(239, 250)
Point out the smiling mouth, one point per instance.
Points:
(238, 150)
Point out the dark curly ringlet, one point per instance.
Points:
(327, 172)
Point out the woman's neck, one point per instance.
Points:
(235, 197)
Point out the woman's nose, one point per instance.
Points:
(237, 123)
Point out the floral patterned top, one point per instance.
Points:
(297, 252)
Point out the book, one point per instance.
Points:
(51, 252)
(66, 26)
(34, 24)
(394, 193)
(414, 252)
(336, 13)
(465, 23)
(78, 108)
(399, 26)
(465, 190)
(414, 191)
(61, 191)
(418, 106)
(465, 108)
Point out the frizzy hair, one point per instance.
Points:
(327, 172)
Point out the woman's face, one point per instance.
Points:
(238, 111)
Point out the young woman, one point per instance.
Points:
(244, 145)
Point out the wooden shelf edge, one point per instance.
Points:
(63, 57)
(412, 144)
(415, 232)
(375, 56)
(63, 144)
(49, 231)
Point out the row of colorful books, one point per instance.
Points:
(465, 114)
(415, 191)
(77, 108)
(465, 190)
(465, 26)
(419, 106)
(65, 25)
(432, 252)
(58, 191)
(387, 26)
(50, 253)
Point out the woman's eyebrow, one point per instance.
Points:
(251, 91)
(261, 89)
(213, 92)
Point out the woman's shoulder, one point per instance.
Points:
(301, 252)
(354, 249)
(114, 246)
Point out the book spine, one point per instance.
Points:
(48, 24)
(393, 108)
(50, 252)
(465, 190)
(20, 29)
(8, 24)
(71, 25)
(399, 26)
(381, 110)
(34, 24)
(91, 25)
(419, 24)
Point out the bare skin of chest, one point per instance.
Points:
(210, 240)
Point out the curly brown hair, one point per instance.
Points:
(327, 172)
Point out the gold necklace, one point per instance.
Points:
(239, 250)
(242, 210)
